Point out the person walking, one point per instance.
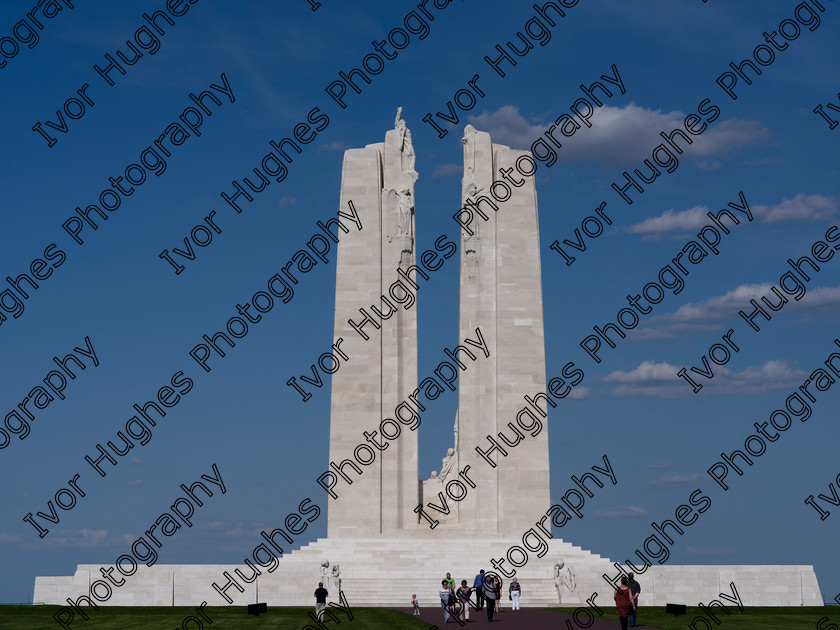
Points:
(623, 602)
(321, 595)
(478, 585)
(463, 594)
(415, 603)
(449, 580)
(444, 593)
(491, 595)
(635, 589)
(514, 592)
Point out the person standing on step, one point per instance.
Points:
(635, 589)
(514, 592)
(478, 585)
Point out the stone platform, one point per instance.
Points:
(385, 571)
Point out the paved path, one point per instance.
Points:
(527, 618)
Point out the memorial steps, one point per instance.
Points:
(380, 571)
(385, 571)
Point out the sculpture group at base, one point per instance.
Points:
(331, 579)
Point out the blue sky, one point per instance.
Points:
(268, 445)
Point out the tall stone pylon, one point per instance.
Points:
(501, 292)
(382, 369)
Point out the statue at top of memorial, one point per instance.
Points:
(469, 152)
(406, 145)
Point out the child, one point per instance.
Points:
(415, 603)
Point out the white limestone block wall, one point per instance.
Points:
(386, 571)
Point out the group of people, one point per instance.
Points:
(626, 600)
(487, 589)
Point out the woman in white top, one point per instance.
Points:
(444, 599)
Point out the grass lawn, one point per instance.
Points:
(753, 618)
(235, 618)
(224, 618)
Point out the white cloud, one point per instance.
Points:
(727, 305)
(622, 136)
(507, 126)
(691, 219)
(721, 306)
(580, 393)
(213, 525)
(801, 208)
(660, 380)
(240, 531)
(647, 372)
(670, 331)
(629, 511)
(771, 376)
(83, 538)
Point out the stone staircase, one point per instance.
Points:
(386, 571)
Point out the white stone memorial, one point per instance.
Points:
(375, 535)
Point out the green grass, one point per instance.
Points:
(753, 618)
(224, 618)
(235, 618)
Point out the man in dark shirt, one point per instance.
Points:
(320, 601)
(635, 589)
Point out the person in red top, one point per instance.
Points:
(623, 602)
